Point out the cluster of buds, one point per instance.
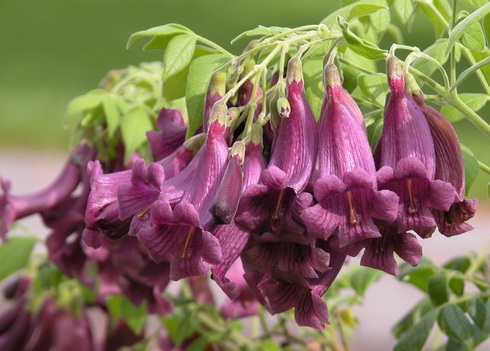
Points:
(269, 207)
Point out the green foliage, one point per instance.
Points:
(14, 254)
(448, 308)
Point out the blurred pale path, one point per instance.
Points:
(386, 301)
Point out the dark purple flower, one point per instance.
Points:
(171, 135)
(233, 238)
(406, 146)
(179, 230)
(449, 168)
(14, 207)
(279, 295)
(292, 157)
(344, 180)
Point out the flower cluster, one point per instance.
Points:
(265, 190)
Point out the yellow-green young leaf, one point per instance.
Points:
(462, 26)
(178, 54)
(121, 308)
(360, 46)
(404, 9)
(79, 105)
(475, 3)
(167, 30)
(471, 168)
(134, 125)
(488, 190)
(200, 71)
(312, 74)
(380, 20)
(374, 87)
(14, 254)
(111, 112)
(473, 37)
(354, 10)
(474, 101)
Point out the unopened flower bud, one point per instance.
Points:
(283, 107)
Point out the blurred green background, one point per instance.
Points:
(54, 50)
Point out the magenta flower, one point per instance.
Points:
(171, 135)
(406, 146)
(291, 162)
(449, 168)
(14, 207)
(345, 181)
(280, 295)
(179, 231)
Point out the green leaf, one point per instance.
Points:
(363, 277)
(473, 37)
(471, 167)
(313, 73)
(434, 15)
(360, 46)
(111, 112)
(473, 100)
(417, 276)
(415, 337)
(380, 20)
(437, 288)
(479, 57)
(404, 9)
(352, 11)
(486, 28)
(460, 264)
(470, 70)
(175, 87)
(178, 55)
(412, 317)
(78, 106)
(436, 51)
(134, 125)
(463, 26)
(165, 31)
(269, 345)
(374, 87)
(121, 308)
(475, 3)
(456, 325)
(200, 71)
(14, 254)
(475, 307)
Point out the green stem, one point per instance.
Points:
(479, 73)
(357, 67)
(484, 167)
(471, 115)
(213, 45)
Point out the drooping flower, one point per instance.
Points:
(345, 180)
(279, 295)
(179, 231)
(449, 168)
(406, 146)
(14, 207)
(291, 162)
(232, 237)
(171, 135)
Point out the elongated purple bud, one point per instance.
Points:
(227, 197)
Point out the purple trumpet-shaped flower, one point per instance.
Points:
(290, 166)
(232, 237)
(279, 295)
(102, 213)
(244, 304)
(179, 231)
(449, 168)
(14, 207)
(406, 146)
(345, 185)
(171, 135)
